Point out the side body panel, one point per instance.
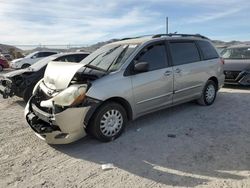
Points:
(152, 90)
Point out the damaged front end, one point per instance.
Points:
(17, 83)
(7, 88)
(56, 120)
(237, 78)
(58, 115)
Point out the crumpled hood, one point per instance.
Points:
(59, 74)
(16, 72)
(237, 64)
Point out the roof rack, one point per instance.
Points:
(136, 37)
(179, 35)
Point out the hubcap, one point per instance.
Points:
(210, 93)
(111, 123)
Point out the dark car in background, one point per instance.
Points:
(3, 63)
(21, 82)
(237, 65)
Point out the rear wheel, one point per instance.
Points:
(108, 122)
(209, 94)
(25, 66)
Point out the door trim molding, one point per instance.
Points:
(187, 88)
(154, 98)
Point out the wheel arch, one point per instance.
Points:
(25, 65)
(123, 102)
(215, 80)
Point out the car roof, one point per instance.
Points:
(159, 37)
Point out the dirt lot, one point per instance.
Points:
(211, 149)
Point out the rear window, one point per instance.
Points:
(184, 52)
(207, 50)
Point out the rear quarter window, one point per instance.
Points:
(207, 49)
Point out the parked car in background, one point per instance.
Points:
(3, 63)
(7, 56)
(30, 59)
(221, 48)
(237, 65)
(22, 82)
(123, 81)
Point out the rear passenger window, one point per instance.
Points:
(67, 58)
(207, 50)
(155, 55)
(80, 57)
(184, 53)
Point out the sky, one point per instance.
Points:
(86, 22)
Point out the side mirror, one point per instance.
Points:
(141, 67)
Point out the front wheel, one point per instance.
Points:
(108, 122)
(209, 94)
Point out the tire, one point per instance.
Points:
(108, 122)
(1, 68)
(28, 93)
(25, 66)
(209, 94)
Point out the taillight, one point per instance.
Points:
(222, 61)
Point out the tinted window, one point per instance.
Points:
(207, 50)
(45, 54)
(184, 52)
(67, 58)
(155, 55)
(80, 57)
(72, 58)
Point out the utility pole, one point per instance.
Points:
(166, 25)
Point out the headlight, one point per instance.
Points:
(69, 97)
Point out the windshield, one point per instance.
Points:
(39, 64)
(236, 53)
(111, 57)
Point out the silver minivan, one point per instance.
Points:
(120, 82)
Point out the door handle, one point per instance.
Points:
(177, 70)
(167, 73)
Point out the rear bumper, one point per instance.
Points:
(237, 78)
(57, 128)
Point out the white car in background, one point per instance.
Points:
(30, 59)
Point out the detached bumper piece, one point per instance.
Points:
(237, 78)
(40, 126)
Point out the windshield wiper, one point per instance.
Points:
(94, 67)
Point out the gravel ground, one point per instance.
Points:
(184, 146)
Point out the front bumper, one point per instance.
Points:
(57, 128)
(237, 78)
